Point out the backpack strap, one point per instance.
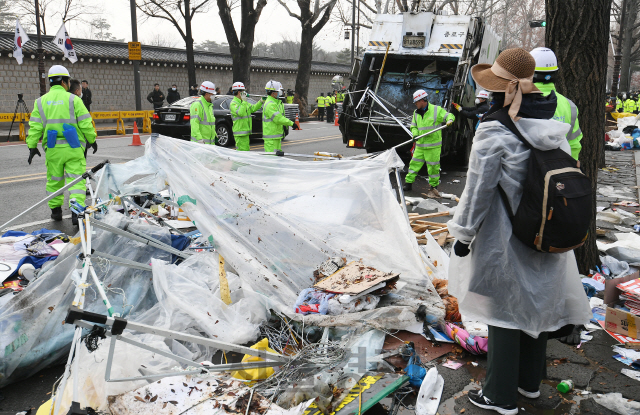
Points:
(502, 116)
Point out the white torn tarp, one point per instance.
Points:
(626, 248)
(275, 220)
(32, 330)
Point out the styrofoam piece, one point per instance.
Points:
(430, 393)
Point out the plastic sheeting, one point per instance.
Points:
(275, 220)
(32, 335)
(188, 300)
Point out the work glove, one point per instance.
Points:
(33, 152)
(449, 123)
(94, 146)
(264, 98)
(295, 126)
(461, 249)
(456, 106)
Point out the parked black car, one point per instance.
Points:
(174, 120)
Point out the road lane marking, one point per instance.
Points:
(25, 225)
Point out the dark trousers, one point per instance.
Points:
(321, 113)
(330, 115)
(515, 360)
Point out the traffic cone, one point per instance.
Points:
(298, 122)
(336, 119)
(136, 136)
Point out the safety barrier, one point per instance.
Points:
(119, 116)
(19, 119)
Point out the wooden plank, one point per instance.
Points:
(442, 238)
(424, 222)
(439, 231)
(422, 241)
(429, 215)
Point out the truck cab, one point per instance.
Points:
(407, 52)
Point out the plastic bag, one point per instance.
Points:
(616, 403)
(259, 373)
(618, 268)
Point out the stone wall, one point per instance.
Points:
(111, 82)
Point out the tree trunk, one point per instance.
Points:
(241, 65)
(579, 36)
(191, 64)
(627, 44)
(304, 67)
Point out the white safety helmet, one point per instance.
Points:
(238, 86)
(273, 86)
(58, 70)
(419, 94)
(208, 87)
(482, 94)
(546, 60)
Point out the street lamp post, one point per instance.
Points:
(136, 64)
(40, 52)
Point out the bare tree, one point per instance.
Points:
(160, 40)
(320, 16)
(179, 13)
(579, 36)
(99, 29)
(241, 47)
(7, 16)
(26, 10)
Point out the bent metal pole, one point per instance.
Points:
(54, 194)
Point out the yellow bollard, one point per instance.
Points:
(225, 295)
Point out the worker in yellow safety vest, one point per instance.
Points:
(566, 110)
(425, 118)
(273, 120)
(241, 112)
(64, 124)
(203, 122)
(330, 104)
(321, 104)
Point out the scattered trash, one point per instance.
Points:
(452, 365)
(430, 393)
(633, 374)
(565, 386)
(617, 403)
(631, 295)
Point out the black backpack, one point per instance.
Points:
(555, 211)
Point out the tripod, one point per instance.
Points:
(21, 108)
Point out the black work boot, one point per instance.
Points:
(407, 187)
(74, 219)
(56, 214)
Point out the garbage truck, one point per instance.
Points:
(407, 52)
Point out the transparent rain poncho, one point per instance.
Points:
(502, 282)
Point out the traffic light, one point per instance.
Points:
(537, 23)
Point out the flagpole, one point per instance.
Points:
(40, 52)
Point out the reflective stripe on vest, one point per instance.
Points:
(571, 135)
(264, 110)
(273, 136)
(205, 122)
(439, 143)
(73, 120)
(240, 118)
(241, 132)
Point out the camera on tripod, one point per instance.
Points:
(20, 97)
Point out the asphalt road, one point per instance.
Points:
(23, 185)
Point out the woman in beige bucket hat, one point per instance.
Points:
(520, 293)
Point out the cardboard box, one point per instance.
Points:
(611, 292)
(621, 322)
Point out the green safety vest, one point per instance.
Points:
(618, 104)
(321, 102)
(629, 105)
(273, 119)
(203, 122)
(433, 118)
(52, 110)
(340, 97)
(566, 112)
(290, 99)
(241, 115)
